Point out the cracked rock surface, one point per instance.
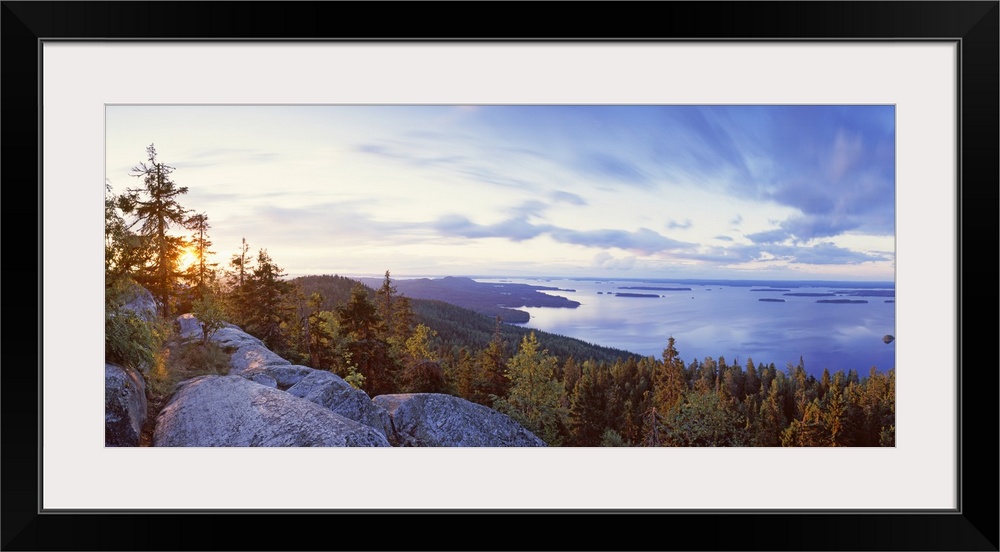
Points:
(231, 411)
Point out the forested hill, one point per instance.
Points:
(492, 299)
(459, 327)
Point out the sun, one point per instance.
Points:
(188, 258)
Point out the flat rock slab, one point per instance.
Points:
(231, 411)
(438, 420)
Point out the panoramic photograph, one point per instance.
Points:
(500, 275)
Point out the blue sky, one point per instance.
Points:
(783, 192)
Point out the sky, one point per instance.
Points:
(608, 191)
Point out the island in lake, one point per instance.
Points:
(654, 288)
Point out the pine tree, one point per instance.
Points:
(157, 210)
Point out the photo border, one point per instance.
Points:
(973, 25)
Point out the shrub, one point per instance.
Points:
(129, 339)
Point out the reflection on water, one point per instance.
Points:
(730, 321)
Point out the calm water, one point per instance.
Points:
(724, 320)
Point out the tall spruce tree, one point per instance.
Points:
(492, 383)
(669, 384)
(157, 210)
(265, 302)
(360, 321)
(201, 273)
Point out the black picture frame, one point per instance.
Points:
(973, 525)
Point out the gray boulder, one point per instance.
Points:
(231, 411)
(437, 420)
(231, 338)
(140, 301)
(189, 327)
(253, 358)
(124, 406)
(331, 391)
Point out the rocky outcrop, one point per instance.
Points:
(231, 411)
(262, 402)
(437, 420)
(124, 406)
(253, 361)
(331, 391)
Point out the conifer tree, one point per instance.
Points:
(202, 272)
(669, 383)
(265, 302)
(320, 333)
(157, 210)
(362, 325)
(492, 382)
(588, 406)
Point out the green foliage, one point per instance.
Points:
(704, 421)
(129, 339)
(355, 379)
(208, 310)
(458, 327)
(179, 361)
(534, 396)
(611, 438)
(124, 250)
(422, 372)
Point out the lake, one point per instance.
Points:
(713, 320)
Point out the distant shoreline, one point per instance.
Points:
(763, 282)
